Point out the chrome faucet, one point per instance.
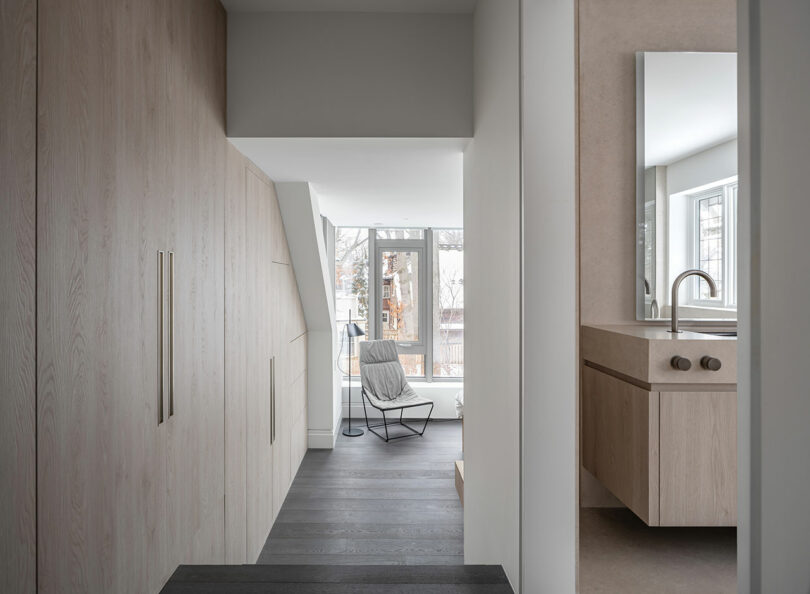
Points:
(677, 285)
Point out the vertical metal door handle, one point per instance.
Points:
(272, 400)
(171, 334)
(161, 330)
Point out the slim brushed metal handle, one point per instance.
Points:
(161, 330)
(171, 334)
(272, 400)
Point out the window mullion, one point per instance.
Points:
(428, 309)
(373, 325)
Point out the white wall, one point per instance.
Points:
(706, 167)
(304, 228)
(443, 395)
(491, 295)
(350, 74)
(774, 344)
(550, 324)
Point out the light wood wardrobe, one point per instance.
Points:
(265, 364)
(122, 368)
(130, 286)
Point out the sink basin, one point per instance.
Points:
(719, 332)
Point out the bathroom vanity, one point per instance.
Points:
(659, 421)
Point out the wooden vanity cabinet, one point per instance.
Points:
(670, 456)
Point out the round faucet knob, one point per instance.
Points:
(711, 363)
(681, 363)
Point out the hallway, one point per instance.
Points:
(368, 502)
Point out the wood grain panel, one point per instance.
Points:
(620, 440)
(698, 459)
(260, 473)
(196, 92)
(102, 162)
(280, 249)
(237, 326)
(131, 161)
(271, 325)
(17, 296)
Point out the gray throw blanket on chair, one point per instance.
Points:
(381, 372)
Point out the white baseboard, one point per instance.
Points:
(322, 439)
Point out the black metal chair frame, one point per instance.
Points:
(412, 432)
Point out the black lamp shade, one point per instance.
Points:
(354, 330)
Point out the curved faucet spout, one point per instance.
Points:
(676, 285)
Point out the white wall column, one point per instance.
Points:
(492, 295)
(549, 302)
(304, 227)
(774, 287)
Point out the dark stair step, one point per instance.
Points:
(338, 579)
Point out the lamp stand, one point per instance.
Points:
(351, 432)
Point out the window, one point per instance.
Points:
(405, 285)
(713, 245)
(351, 283)
(386, 234)
(448, 303)
(399, 276)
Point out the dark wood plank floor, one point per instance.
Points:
(368, 502)
(337, 579)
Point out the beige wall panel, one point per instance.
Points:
(609, 35)
(18, 41)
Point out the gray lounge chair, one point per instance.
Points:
(385, 387)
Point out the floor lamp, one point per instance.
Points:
(353, 331)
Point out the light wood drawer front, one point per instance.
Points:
(620, 440)
(698, 464)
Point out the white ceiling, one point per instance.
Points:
(419, 6)
(690, 103)
(397, 182)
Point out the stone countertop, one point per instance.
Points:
(642, 354)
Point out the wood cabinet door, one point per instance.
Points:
(298, 404)
(18, 42)
(278, 325)
(280, 250)
(698, 460)
(620, 440)
(101, 461)
(238, 325)
(258, 360)
(195, 210)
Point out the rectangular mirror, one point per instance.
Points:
(686, 182)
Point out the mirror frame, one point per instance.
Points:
(640, 235)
